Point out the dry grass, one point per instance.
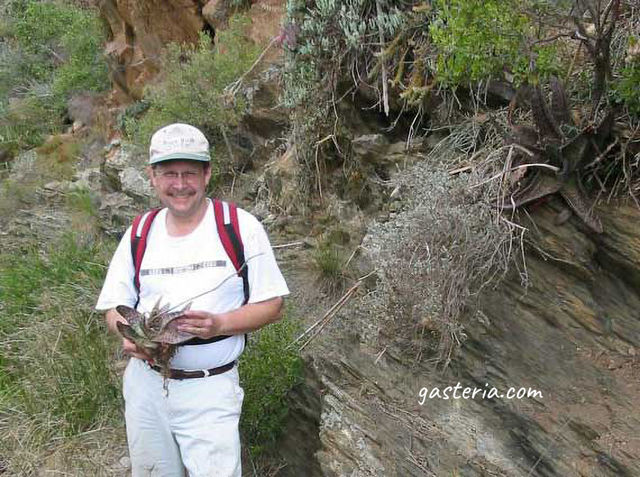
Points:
(58, 385)
(437, 255)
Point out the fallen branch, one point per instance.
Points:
(292, 244)
(385, 91)
(543, 165)
(316, 328)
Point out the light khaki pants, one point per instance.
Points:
(193, 427)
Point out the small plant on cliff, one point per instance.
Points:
(329, 262)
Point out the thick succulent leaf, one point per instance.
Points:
(581, 205)
(156, 308)
(127, 332)
(559, 103)
(171, 335)
(169, 317)
(538, 185)
(132, 316)
(168, 331)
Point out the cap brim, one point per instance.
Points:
(180, 155)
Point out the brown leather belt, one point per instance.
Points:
(200, 373)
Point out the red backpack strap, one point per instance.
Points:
(226, 215)
(139, 233)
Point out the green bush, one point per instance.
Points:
(63, 40)
(268, 369)
(51, 51)
(191, 88)
(476, 40)
(627, 88)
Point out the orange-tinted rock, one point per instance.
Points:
(139, 31)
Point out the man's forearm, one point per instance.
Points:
(251, 317)
(247, 318)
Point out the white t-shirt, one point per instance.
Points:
(180, 268)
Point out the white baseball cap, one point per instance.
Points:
(178, 141)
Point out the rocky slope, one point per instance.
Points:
(572, 333)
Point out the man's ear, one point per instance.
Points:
(150, 174)
(207, 173)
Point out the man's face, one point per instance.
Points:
(180, 185)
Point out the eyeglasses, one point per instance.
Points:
(173, 176)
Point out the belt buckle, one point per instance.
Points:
(206, 373)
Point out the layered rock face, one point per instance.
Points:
(572, 335)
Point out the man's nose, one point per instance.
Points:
(181, 181)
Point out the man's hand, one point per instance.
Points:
(200, 323)
(128, 346)
(131, 349)
(243, 320)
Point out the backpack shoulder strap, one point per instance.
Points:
(139, 233)
(226, 218)
(226, 215)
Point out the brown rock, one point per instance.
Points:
(216, 13)
(139, 31)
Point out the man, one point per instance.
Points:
(194, 425)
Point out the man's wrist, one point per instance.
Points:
(224, 324)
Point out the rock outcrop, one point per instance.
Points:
(572, 334)
(139, 31)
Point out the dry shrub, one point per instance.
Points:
(434, 258)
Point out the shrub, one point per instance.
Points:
(191, 88)
(435, 255)
(329, 261)
(626, 87)
(268, 369)
(52, 50)
(475, 40)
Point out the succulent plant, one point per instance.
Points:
(154, 332)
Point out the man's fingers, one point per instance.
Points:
(131, 349)
(196, 314)
(193, 329)
(188, 322)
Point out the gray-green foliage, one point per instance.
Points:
(434, 257)
(329, 40)
(50, 50)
